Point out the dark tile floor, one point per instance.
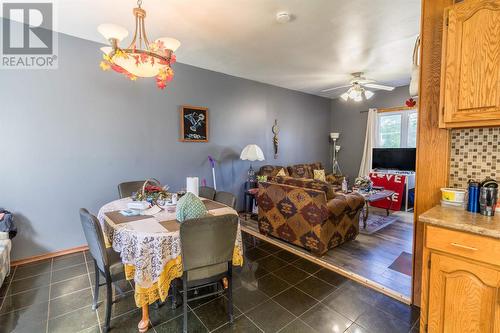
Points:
(275, 291)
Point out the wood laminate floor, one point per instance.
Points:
(368, 257)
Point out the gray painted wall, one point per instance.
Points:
(351, 124)
(69, 136)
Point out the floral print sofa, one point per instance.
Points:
(308, 213)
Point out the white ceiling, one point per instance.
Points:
(327, 40)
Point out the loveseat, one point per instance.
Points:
(308, 213)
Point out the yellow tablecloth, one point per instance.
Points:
(173, 270)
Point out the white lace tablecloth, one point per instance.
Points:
(145, 246)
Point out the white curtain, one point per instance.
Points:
(370, 140)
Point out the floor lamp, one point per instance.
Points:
(335, 149)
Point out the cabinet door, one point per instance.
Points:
(463, 297)
(471, 62)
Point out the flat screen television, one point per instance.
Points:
(394, 158)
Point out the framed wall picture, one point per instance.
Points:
(194, 124)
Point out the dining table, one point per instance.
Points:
(150, 248)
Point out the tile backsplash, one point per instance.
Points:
(475, 153)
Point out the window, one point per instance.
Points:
(397, 129)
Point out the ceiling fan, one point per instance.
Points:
(357, 89)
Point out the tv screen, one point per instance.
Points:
(394, 158)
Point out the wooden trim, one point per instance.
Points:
(181, 138)
(432, 142)
(49, 255)
(308, 256)
(426, 257)
(397, 109)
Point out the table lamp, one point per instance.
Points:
(252, 153)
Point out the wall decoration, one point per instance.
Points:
(194, 124)
(276, 130)
(410, 102)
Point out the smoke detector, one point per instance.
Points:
(283, 17)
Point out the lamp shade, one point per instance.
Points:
(109, 31)
(252, 153)
(170, 43)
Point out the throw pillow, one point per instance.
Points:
(189, 207)
(320, 175)
(262, 178)
(281, 173)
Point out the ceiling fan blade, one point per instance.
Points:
(378, 86)
(365, 81)
(330, 89)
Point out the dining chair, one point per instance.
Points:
(106, 261)
(226, 198)
(207, 246)
(207, 192)
(126, 189)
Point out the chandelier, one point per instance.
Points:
(141, 58)
(356, 93)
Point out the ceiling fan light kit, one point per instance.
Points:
(141, 58)
(357, 88)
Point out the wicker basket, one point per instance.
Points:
(152, 181)
(142, 195)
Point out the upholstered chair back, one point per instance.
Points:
(207, 192)
(126, 189)
(208, 241)
(226, 198)
(95, 239)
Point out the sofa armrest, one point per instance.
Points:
(334, 179)
(350, 203)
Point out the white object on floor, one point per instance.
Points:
(192, 185)
(5, 247)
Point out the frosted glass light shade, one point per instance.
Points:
(109, 31)
(129, 64)
(252, 153)
(139, 70)
(345, 96)
(354, 93)
(170, 43)
(106, 50)
(368, 94)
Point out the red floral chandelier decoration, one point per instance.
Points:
(141, 58)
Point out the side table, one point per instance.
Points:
(250, 199)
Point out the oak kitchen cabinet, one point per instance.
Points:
(470, 69)
(461, 276)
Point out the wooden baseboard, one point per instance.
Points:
(48, 255)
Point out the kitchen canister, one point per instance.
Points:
(453, 195)
(473, 197)
(488, 200)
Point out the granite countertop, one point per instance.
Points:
(462, 220)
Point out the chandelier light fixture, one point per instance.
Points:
(357, 93)
(141, 58)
